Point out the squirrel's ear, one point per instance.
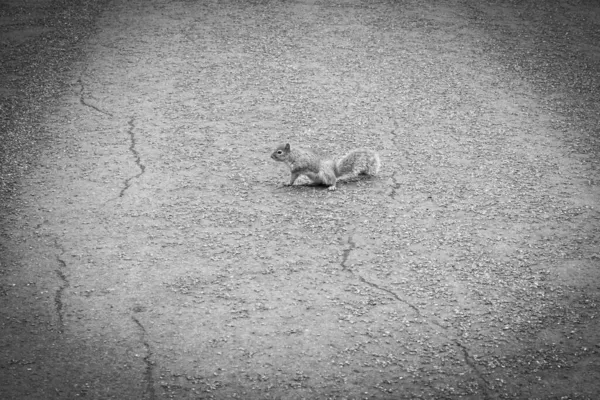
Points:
(287, 147)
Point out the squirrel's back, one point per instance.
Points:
(297, 158)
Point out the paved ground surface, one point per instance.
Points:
(149, 251)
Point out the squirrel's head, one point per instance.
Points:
(281, 152)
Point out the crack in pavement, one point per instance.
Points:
(347, 253)
(58, 303)
(149, 370)
(395, 186)
(376, 286)
(85, 103)
(466, 355)
(345, 256)
(136, 156)
(471, 364)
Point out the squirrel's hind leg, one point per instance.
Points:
(327, 179)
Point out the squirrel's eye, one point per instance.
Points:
(279, 151)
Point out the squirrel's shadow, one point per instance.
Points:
(350, 181)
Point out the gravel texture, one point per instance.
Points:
(41, 43)
(149, 249)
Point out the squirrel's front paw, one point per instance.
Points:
(332, 187)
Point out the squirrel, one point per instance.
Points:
(325, 171)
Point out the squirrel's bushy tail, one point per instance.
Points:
(358, 162)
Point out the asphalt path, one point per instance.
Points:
(150, 250)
